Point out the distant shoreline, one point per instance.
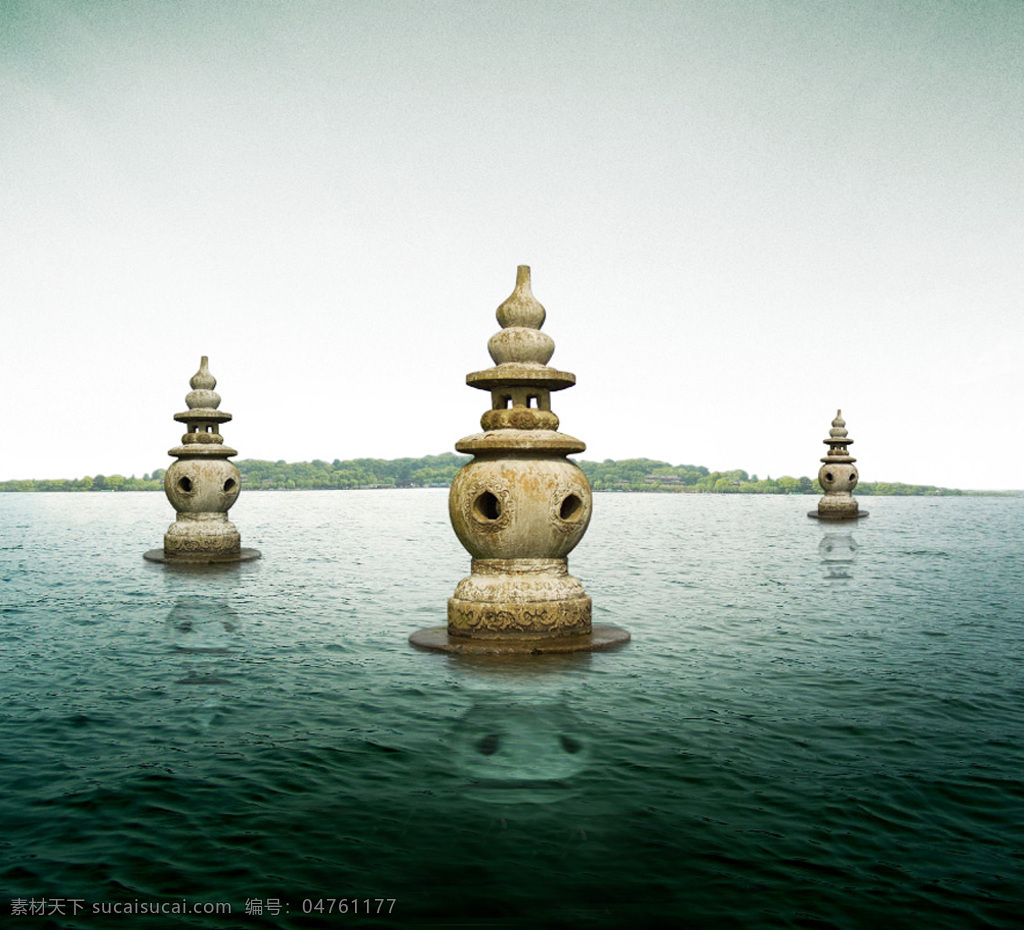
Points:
(437, 471)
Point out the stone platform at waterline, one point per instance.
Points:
(838, 477)
(520, 506)
(202, 485)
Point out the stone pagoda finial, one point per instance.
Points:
(520, 506)
(522, 309)
(202, 485)
(838, 476)
(837, 435)
(521, 381)
(203, 396)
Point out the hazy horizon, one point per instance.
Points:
(740, 217)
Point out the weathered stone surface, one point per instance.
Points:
(562, 617)
(201, 532)
(202, 485)
(518, 418)
(519, 597)
(519, 581)
(520, 507)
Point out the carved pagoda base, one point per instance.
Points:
(837, 514)
(198, 557)
(440, 639)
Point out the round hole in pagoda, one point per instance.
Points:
(185, 484)
(571, 509)
(229, 485)
(487, 507)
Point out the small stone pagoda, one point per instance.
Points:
(838, 477)
(520, 507)
(202, 485)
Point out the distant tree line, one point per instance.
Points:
(437, 471)
(649, 475)
(431, 471)
(154, 482)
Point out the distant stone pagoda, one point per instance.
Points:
(520, 506)
(838, 477)
(202, 485)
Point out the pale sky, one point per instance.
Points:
(740, 216)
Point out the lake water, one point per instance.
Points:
(813, 726)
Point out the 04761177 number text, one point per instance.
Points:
(348, 905)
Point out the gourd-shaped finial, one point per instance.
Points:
(838, 439)
(521, 316)
(203, 396)
(838, 430)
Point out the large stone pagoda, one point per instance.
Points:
(202, 484)
(520, 506)
(838, 477)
